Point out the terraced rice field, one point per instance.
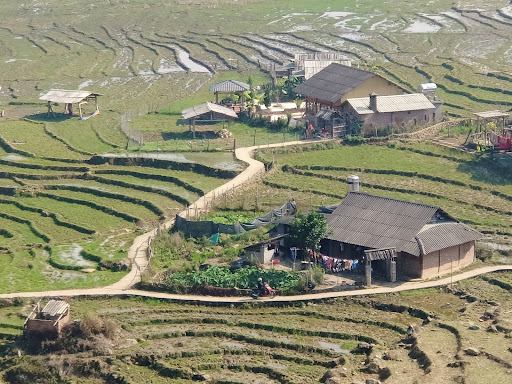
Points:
(137, 51)
(160, 341)
(63, 211)
(474, 190)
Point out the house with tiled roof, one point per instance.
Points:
(397, 237)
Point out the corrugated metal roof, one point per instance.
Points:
(333, 82)
(64, 96)
(207, 107)
(394, 103)
(434, 237)
(491, 115)
(230, 86)
(312, 67)
(379, 222)
(301, 58)
(55, 308)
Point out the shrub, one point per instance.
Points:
(353, 140)
(91, 325)
(317, 274)
(109, 328)
(483, 252)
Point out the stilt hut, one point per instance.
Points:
(69, 98)
(207, 112)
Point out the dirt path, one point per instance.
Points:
(138, 254)
(138, 251)
(108, 291)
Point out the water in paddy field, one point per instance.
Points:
(422, 27)
(70, 254)
(13, 157)
(333, 347)
(190, 64)
(499, 247)
(220, 160)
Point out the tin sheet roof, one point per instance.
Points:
(230, 86)
(333, 82)
(207, 107)
(64, 96)
(55, 308)
(394, 103)
(434, 237)
(379, 222)
(491, 115)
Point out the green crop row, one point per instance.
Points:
(142, 188)
(35, 231)
(33, 176)
(8, 191)
(104, 141)
(90, 256)
(110, 211)
(44, 167)
(69, 146)
(6, 233)
(150, 176)
(109, 195)
(53, 216)
(272, 343)
(4, 144)
(164, 164)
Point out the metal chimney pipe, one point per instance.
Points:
(353, 183)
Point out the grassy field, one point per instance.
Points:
(56, 199)
(475, 190)
(158, 341)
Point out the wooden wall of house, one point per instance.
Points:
(448, 259)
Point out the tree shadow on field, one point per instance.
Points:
(43, 117)
(491, 170)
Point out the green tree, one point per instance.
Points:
(306, 231)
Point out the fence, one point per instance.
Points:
(208, 228)
(134, 136)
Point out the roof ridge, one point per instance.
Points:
(353, 68)
(390, 198)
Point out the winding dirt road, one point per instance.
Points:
(138, 252)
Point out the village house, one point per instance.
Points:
(340, 98)
(50, 319)
(395, 237)
(395, 110)
(335, 84)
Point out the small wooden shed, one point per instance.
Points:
(230, 87)
(69, 98)
(264, 251)
(207, 112)
(50, 319)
